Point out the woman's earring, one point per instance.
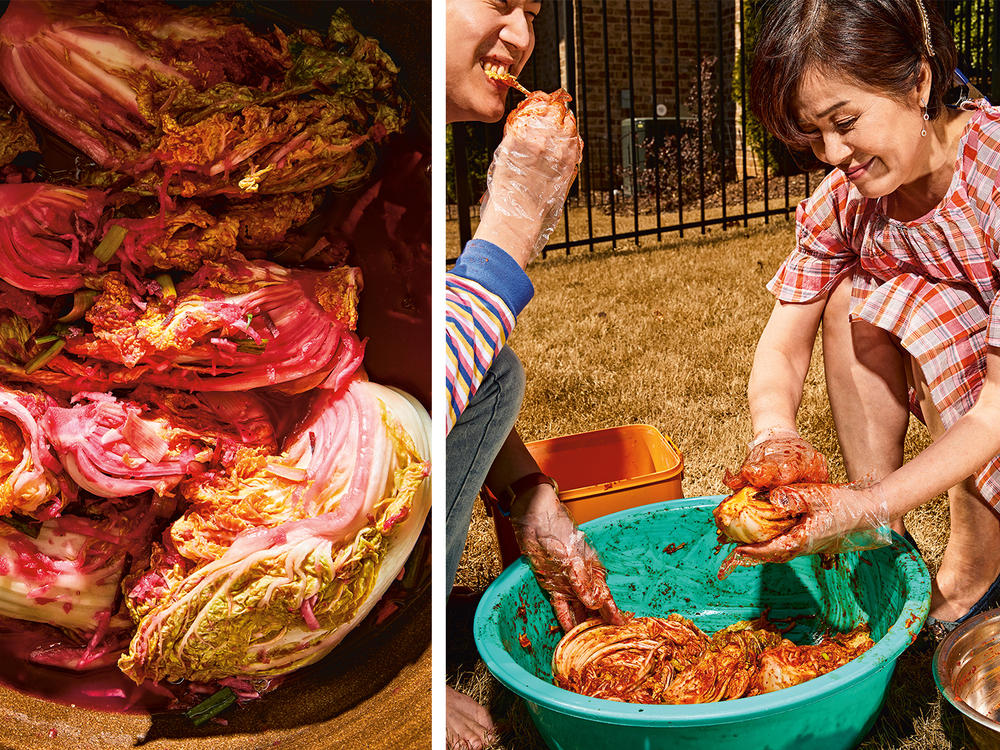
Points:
(923, 105)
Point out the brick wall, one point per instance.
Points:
(569, 52)
(604, 90)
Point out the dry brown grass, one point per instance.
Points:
(665, 336)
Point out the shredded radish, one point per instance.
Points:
(145, 438)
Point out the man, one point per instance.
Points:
(486, 291)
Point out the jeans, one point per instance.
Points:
(473, 444)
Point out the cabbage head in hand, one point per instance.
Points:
(748, 517)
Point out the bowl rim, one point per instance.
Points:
(946, 644)
(535, 690)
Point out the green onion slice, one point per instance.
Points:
(83, 299)
(109, 245)
(42, 359)
(167, 285)
(211, 706)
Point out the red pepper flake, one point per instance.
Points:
(554, 628)
(672, 548)
(525, 642)
(521, 613)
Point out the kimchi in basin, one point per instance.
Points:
(373, 690)
(664, 558)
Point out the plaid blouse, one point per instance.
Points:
(932, 282)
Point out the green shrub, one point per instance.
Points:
(779, 160)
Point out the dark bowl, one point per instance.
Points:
(373, 690)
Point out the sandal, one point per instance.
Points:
(989, 600)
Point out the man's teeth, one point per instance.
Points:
(494, 69)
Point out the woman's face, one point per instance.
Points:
(874, 139)
(480, 32)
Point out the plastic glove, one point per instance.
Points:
(778, 461)
(566, 566)
(833, 518)
(533, 167)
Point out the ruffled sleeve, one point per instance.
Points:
(824, 252)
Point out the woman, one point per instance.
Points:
(529, 178)
(897, 254)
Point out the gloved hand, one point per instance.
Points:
(782, 459)
(833, 518)
(566, 566)
(532, 169)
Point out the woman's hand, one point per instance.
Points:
(833, 518)
(530, 175)
(784, 458)
(566, 566)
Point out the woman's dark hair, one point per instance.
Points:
(878, 43)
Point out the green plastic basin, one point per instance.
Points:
(664, 558)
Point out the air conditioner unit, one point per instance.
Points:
(644, 142)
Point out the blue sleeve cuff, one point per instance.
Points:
(489, 265)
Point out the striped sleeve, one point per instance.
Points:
(485, 292)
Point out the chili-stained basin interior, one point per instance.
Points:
(664, 558)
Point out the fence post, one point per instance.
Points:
(581, 28)
(460, 140)
(995, 65)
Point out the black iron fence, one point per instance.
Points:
(658, 87)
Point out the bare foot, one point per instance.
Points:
(469, 724)
(970, 562)
(953, 595)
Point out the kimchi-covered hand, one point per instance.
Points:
(566, 566)
(530, 175)
(779, 460)
(833, 518)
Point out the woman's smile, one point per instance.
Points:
(856, 172)
(873, 138)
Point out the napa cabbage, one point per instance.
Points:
(282, 595)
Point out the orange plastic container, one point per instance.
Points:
(602, 472)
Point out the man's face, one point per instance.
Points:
(480, 32)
